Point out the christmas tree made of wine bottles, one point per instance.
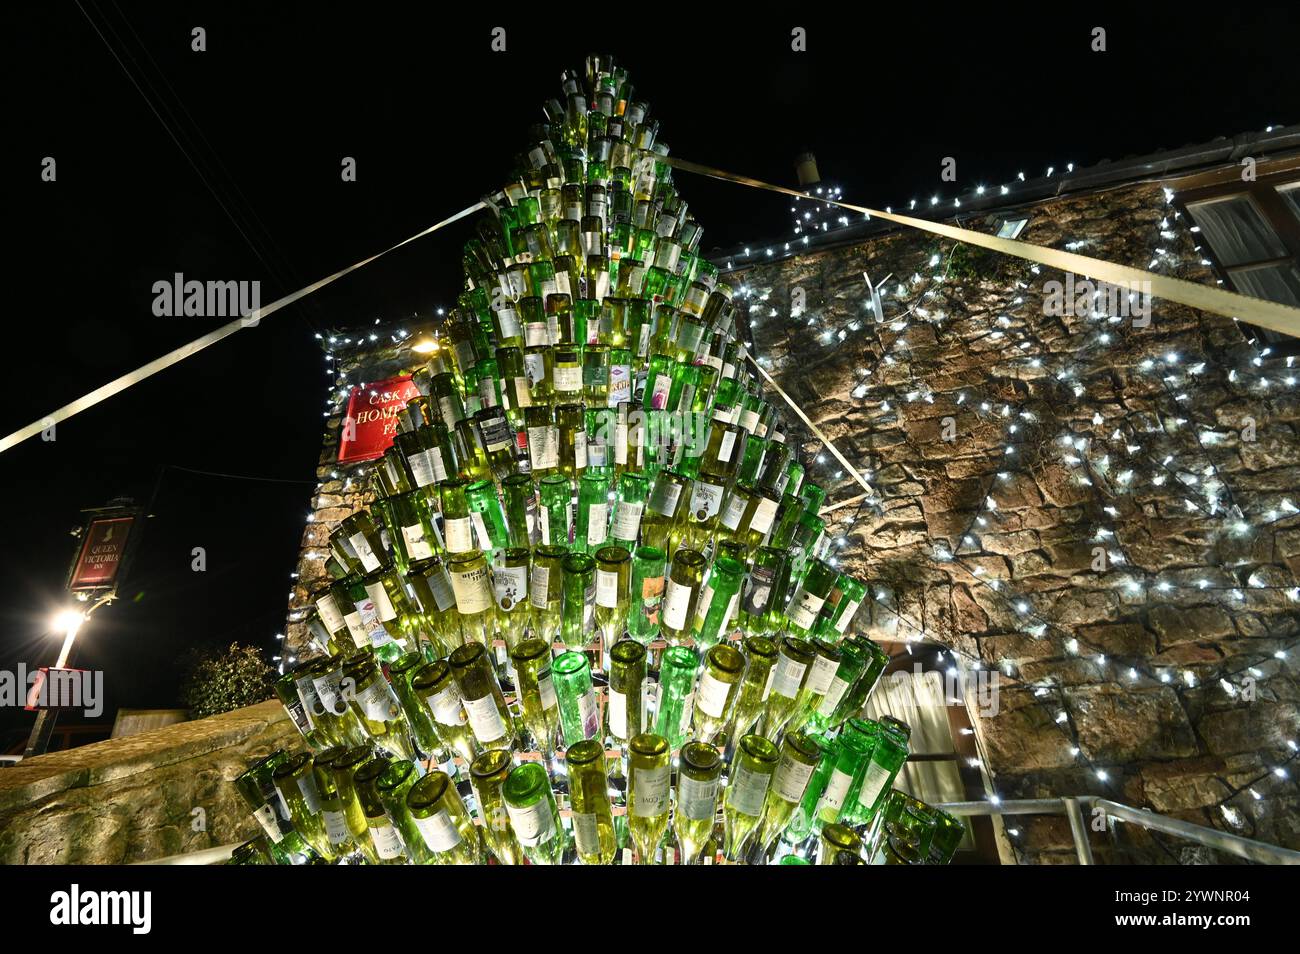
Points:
(587, 616)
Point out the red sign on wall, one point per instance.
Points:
(371, 419)
(101, 553)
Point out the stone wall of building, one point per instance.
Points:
(1007, 448)
(135, 798)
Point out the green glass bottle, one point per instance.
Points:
(835, 840)
(257, 787)
(510, 576)
(579, 709)
(433, 682)
(676, 694)
(430, 585)
(556, 512)
(808, 599)
(718, 691)
(799, 758)
(546, 591)
(418, 716)
(815, 687)
(667, 498)
(854, 657)
(392, 786)
(856, 695)
(718, 600)
(457, 525)
(442, 822)
(949, 833)
(387, 847)
(487, 775)
(520, 504)
(533, 814)
(592, 529)
(578, 608)
(625, 705)
(877, 775)
(376, 706)
(645, 593)
(537, 698)
(756, 609)
(681, 594)
(613, 580)
(793, 662)
(301, 801)
(760, 668)
(485, 704)
(630, 499)
(487, 516)
(755, 760)
(648, 792)
(698, 782)
(593, 820)
(344, 767)
(471, 582)
(571, 423)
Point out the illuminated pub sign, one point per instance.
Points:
(101, 553)
(370, 423)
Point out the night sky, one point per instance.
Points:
(250, 188)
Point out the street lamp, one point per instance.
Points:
(68, 622)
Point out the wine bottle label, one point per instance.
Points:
(546, 689)
(650, 791)
(607, 588)
(440, 582)
(417, 547)
(510, 586)
(733, 511)
(311, 702)
(652, 594)
(586, 833)
(659, 391)
(508, 322)
(616, 706)
(620, 385)
(663, 500)
(523, 395)
(731, 610)
(459, 532)
(748, 789)
(706, 500)
(436, 461)
(485, 719)
(688, 711)
(822, 675)
(836, 789)
(299, 716)
(270, 822)
(383, 605)
(791, 778)
(546, 526)
(589, 605)
(726, 446)
(544, 445)
(421, 468)
(535, 369)
(758, 587)
(826, 708)
(597, 524)
(481, 538)
(643, 340)
(364, 552)
(873, 783)
(449, 411)
(376, 701)
(761, 522)
(336, 826)
(702, 605)
(562, 284)
(697, 800)
(328, 610)
(686, 397)
(711, 697)
(580, 449)
(804, 608)
(789, 676)
(310, 794)
(767, 686)
(473, 591)
(534, 824)
(627, 519)
(553, 328)
(677, 599)
(538, 582)
(536, 333)
(620, 444)
(327, 690)
(748, 419)
(497, 433)
(388, 843)
(357, 630)
(589, 714)
(438, 831)
(447, 707)
(567, 379)
(846, 617)
(597, 454)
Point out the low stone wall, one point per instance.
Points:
(142, 797)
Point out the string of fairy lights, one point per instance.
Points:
(1089, 458)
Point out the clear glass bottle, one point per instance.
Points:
(579, 708)
(487, 775)
(534, 817)
(718, 691)
(592, 816)
(752, 766)
(485, 704)
(699, 778)
(648, 793)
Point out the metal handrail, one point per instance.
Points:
(1251, 850)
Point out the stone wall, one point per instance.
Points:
(1005, 446)
(134, 798)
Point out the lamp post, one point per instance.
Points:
(69, 622)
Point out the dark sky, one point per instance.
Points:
(432, 115)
